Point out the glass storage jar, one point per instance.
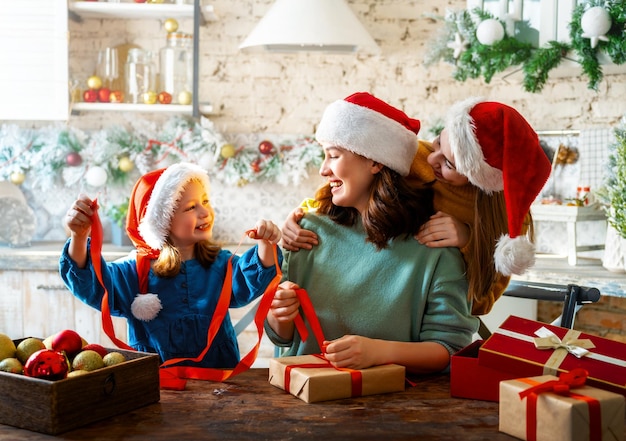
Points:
(176, 62)
(140, 73)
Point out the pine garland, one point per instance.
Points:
(42, 158)
(478, 60)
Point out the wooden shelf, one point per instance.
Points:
(204, 109)
(94, 9)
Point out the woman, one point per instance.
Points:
(380, 296)
(486, 168)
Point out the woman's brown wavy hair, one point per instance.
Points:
(395, 208)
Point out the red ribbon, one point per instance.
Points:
(356, 377)
(173, 377)
(567, 381)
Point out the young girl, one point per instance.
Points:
(380, 296)
(486, 168)
(169, 289)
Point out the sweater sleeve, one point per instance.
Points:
(447, 319)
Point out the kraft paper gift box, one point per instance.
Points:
(584, 413)
(301, 377)
(528, 348)
(470, 380)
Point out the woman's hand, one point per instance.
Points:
(294, 237)
(285, 305)
(443, 230)
(353, 352)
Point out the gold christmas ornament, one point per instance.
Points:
(170, 25)
(184, 97)
(149, 97)
(17, 177)
(227, 151)
(125, 164)
(94, 82)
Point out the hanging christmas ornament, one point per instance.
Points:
(266, 147)
(227, 151)
(595, 23)
(170, 25)
(94, 82)
(96, 176)
(17, 177)
(125, 164)
(73, 159)
(458, 45)
(489, 32)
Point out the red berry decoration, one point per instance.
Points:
(256, 165)
(73, 159)
(266, 147)
(46, 364)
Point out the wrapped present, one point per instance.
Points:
(554, 408)
(468, 379)
(527, 348)
(312, 378)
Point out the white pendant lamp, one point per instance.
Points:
(310, 25)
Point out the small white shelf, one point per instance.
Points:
(100, 9)
(204, 109)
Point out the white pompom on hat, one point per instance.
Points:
(153, 202)
(368, 126)
(497, 150)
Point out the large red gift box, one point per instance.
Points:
(527, 348)
(470, 380)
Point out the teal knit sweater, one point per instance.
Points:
(406, 292)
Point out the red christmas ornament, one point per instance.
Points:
(73, 159)
(266, 147)
(46, 364)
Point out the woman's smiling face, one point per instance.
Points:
(442, 161)
(350, 176)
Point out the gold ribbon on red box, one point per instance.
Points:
(567, 381)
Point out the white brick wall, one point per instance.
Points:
(278, 93)
(287, 93)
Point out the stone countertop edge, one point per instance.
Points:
(44, 256)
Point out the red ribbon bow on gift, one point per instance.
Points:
(567, 381)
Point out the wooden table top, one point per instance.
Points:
(247, 407)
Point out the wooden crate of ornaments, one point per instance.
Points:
(54, 407)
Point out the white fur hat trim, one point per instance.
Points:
(155, 225)
(468, 154)
(145, 307)
(514, 256)
(368, 133)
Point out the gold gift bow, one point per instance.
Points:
(570, 343)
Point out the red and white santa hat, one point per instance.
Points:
(153, 201)
(497, 150)
(368, 126)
